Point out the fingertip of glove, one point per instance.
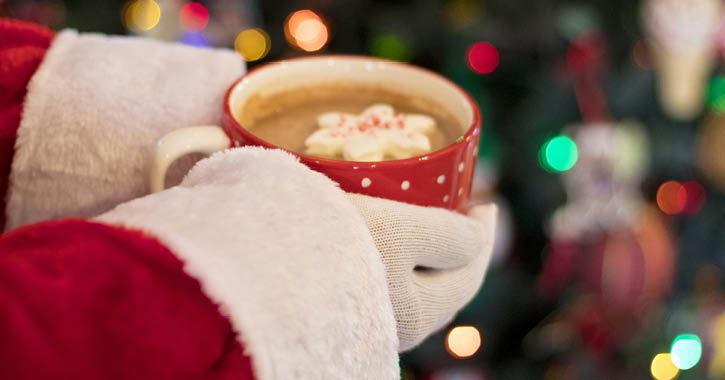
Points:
(485, 213)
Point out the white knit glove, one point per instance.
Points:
(294, 261)
(93, 113)
(435, 260)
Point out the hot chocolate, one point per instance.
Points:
(319, 120)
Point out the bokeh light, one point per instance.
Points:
(642, 56)
(559, 154)
(575, 19)
(461, 14)
(671, 199)
(193, 17)
(49, 13)
(141, 15)
(694, 195)
(717, 359)
(306, 30)
(390, 46)
(194, 39)
(674, 197)
(716, 93)
(663, 368)
(252, 44)
(710, 143)
(686, 351)
(482, 57)
(463, 341)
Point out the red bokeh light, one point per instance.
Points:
(193, 17)
(694, 195)
(483, 57)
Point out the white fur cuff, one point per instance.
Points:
(289, 258)
(93, 112)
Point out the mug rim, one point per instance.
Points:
(472, 129)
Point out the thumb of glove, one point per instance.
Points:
(435, 260)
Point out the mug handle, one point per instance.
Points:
(200, 139)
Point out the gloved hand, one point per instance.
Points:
(294, 260)
(435, 260)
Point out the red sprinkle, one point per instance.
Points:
(369, 124)
(401, 121)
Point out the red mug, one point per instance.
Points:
(441, 178)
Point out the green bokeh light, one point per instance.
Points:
(716, 93)
(686, 351)
(390, 46)
(559, 154)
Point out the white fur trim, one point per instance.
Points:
(289, 258)
(93, 112)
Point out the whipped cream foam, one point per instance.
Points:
(372, 135)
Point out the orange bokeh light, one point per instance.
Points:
(306, 30)
(671, 198)
(463, 341)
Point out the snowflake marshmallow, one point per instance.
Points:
(372, 135)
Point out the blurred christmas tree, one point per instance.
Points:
(603, 145)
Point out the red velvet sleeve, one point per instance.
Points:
(82, 300)
(22, 48)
